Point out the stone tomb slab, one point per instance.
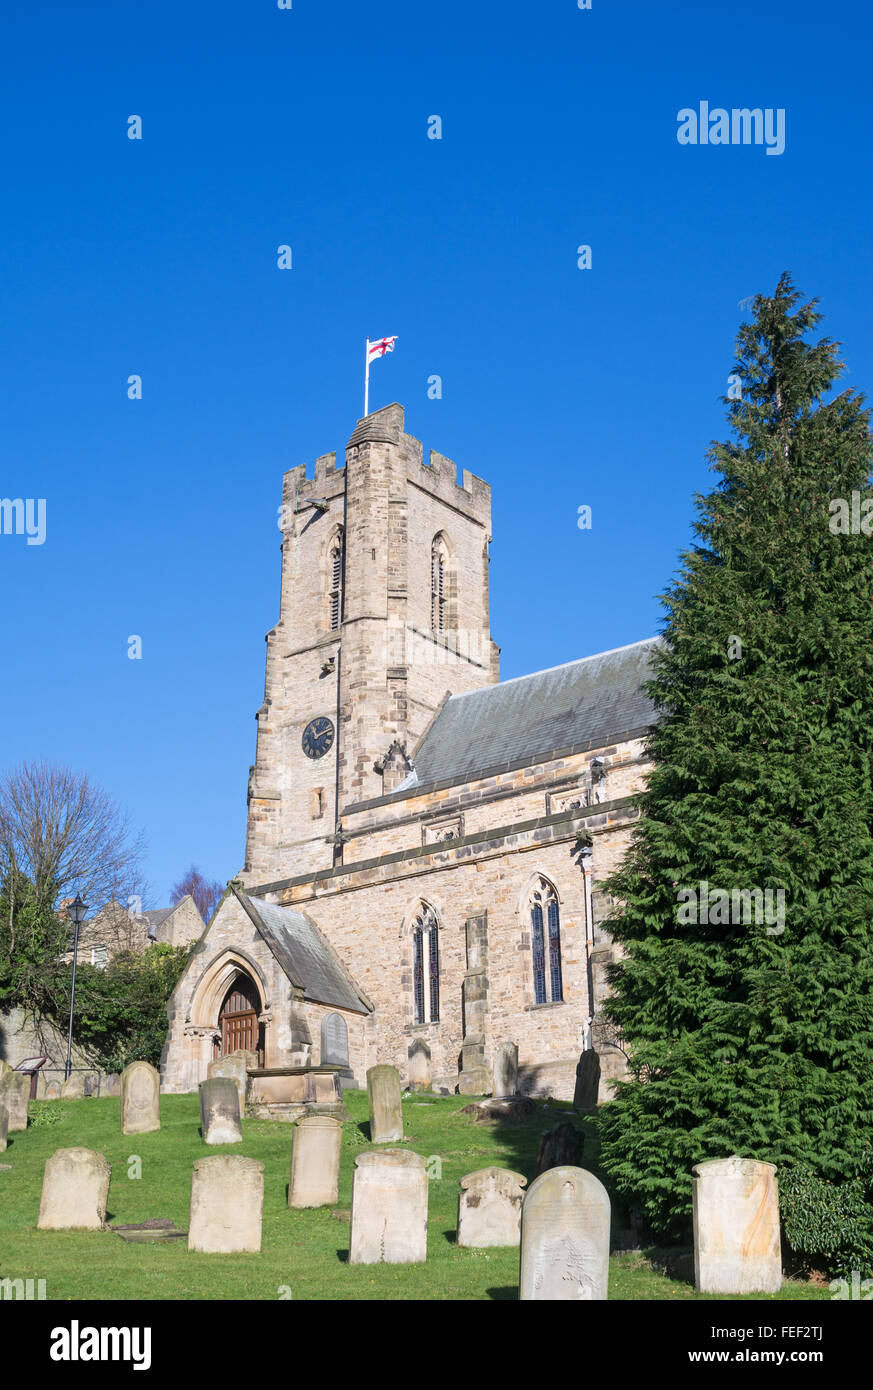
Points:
(565, 1238)
(219, 1111)
(389, 1208)
(737, 1245)
(315, 1162)
(386, 1105)
(140, 1099)
(489, 1208)
(227, 1202)
(75, 1187)
(15, 1093)
(233, 1065)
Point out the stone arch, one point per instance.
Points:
(334, 1040)
(216, 980)
(333, 575)
(443, 585)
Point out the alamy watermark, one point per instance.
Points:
(742, 125)
(737, 907)
(23, 516)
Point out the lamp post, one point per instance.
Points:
(76, 909)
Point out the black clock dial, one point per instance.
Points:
(317, 737)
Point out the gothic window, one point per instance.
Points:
(439, 583)
(545, 933)
(426, 966)
(335, 577)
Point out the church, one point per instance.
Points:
(425, 843)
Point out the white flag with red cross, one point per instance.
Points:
(377, 348)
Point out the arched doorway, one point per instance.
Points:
(238, 1020)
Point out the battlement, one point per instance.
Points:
(437, 473)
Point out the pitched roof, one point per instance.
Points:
(306, 956)
(531, 719)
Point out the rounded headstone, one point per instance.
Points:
(565, 1237)
(386, 1106)
(74, 1191)
(219, 1111)
(140, 1099)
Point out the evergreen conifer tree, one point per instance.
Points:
(744, 1037)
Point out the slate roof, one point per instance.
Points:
(584, 704)
(306, 956)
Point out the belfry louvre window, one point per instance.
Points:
(438, 584)
(545, 935)
(336, 582)
(426, 966)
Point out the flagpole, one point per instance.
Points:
(367, 379)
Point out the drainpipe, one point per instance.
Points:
(585, 858)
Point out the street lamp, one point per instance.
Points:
(76, 909)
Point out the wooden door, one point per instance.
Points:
(238, 1019)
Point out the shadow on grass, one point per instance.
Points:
(506, 1293)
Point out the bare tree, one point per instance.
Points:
(66, 835)
(205, 893)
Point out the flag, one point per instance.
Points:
(380, 347)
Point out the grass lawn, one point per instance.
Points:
(304, 1253)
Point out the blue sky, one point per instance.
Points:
(561, 387)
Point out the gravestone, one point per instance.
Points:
(140, 1099)
(4, 1125)
(505, 1071)
(52, 1090)
(389, 1208)
(334, 1041)
(565, 1237)
(736, 1227)
(219, 1111)
(111, 1084)
(15, 1092)
(74, 1191)
(587, 1081)
(489, 1208)
(560, 1147)
(386, 1106)
(419, 1066)
(315, 1162)
(227, 1201)
(234, 1066)
(74, 1086)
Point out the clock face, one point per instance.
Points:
(317, 737)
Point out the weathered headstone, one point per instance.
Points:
(419, 1066)
(74, 1086)
(565, 1237)
(560, 1147)
(505, 1070)
(227, 1201)
(587, 1081)
(315, 1162)
(4, 1125)
(74, 1191)
(334, 1041)
(736, 1227)
(219, 1111)
(386, 1106)
(489, 1209)
(140, 1099)
(52, 1090)
(111, 1084)
(15, 1092)
(389, 1208)
(234, 1066)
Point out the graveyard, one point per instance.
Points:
(304, 1253)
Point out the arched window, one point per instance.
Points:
(426, 966)
(439, 584)
(545, 935)
(335, 579)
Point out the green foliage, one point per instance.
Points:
(829, 1225)
(748, 1040)
(31, 939)
(121, 1012)
(43, 1114)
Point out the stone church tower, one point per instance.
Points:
(384, 609)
